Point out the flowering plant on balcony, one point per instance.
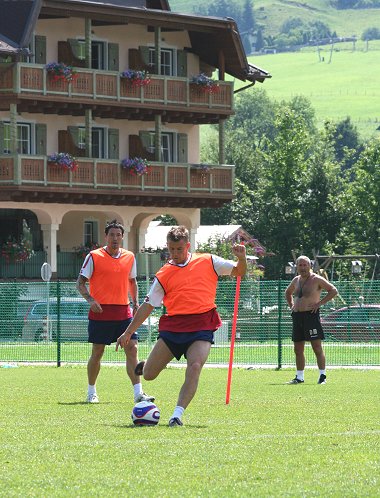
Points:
(136, 78)
(136, 165)
(60, 71)
(82, 250)
(204, 169)
(205, 83)
(63, 159)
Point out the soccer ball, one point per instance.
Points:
(145, 413)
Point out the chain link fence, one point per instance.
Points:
(47, 322)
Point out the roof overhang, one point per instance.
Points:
(209, 36)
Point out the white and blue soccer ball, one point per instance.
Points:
(145, 413)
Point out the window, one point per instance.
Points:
(167, 140)
(90, 233)
(167, 61)
(98, 50)
(98, 138)
(24, 145)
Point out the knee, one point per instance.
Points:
(194, 369)
(131, 351)
(149, 374)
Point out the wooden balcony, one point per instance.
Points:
(104, 181)
(176, 99)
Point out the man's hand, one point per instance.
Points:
(315, 307)
(239, 251)
(123, 340)
(95, 307)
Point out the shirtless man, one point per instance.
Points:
(306, 288)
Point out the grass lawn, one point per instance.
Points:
(271, 440)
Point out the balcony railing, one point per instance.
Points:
(107, 86)
(98, 174)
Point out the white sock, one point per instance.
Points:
(322, 372)
(91, 389)
(137, 389)
(178, 412)
(299, 374)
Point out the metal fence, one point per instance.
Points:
(47, 322)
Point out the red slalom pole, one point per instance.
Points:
(233, 335)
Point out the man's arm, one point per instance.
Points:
(329, 288)
(82, 289)
(241, 267)
(141, 315)
(134, 294)
(289, 293)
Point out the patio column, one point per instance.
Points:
(87, 41)
(88, 132)
(192, 234)
(13, 127)
(126, 236)
(157, 48)
(157, 138)
(49, 233)
(141, 233)
(222, 154)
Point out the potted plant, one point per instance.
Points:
(60, 71)
(136, 165)
(136, 78)
(13, 251)
(82, 250)
(63, 159)
(204, 83)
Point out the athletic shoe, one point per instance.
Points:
(296, 380)
(322, 379)
(175, 422)
(92, 398)
(139, 368)
(144, 397)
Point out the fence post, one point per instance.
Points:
(58, 324)
(279, 327)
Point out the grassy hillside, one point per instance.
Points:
(346, 86)
(272, 13)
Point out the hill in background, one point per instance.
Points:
(341, 80)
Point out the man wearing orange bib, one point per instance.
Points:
(111, 273)
(186, 285)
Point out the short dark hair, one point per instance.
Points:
(113, 224)
(176, 234)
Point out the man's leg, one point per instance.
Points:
(319, 353)
(131, 356)
(299, 348)
(157, 360)
(93, 368)
(197, 355)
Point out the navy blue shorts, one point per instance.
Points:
(179, 342)
(107, 332)
(306, 326)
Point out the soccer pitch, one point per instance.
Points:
(272, 439)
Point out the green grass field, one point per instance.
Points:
(272, 440)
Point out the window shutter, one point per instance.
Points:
(1, 137)
(182, 63)
(113, 57)
(74, 132)
(182, 148)
(145, 139)
(75, 48)
(40, 49)
(41, 139)
(113, 143)
(144, 52)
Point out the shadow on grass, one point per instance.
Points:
(75, 403)
(158, 426)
